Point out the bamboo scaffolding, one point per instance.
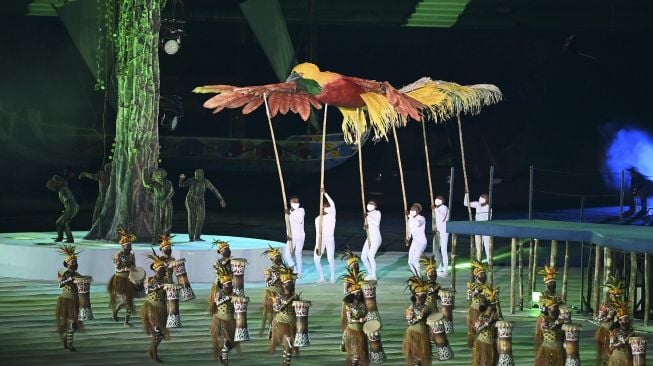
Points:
(318, 248)
(597, 280)
(632, 284)
(521, 275)
(534, 267)
(513, 262)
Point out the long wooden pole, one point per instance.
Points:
(462, 156)
(647, 287)
(280, 173)
(428, 176)
(403, 187)
(513, 263)
(632, 284)
(454, 242)
(534, 268)
(597, 280)
(530, 267)
(565, 275)
(318, 248)
(554, 253)
(359, 137)
(490, 262)
(521, 275)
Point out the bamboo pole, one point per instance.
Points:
(582, 275)
(554, 253)
(490, 262)
(608, 262)
(647, 287)
(403, 187)
(530, 266)
(597, 280)
(534, 268)
(428, 167)
(513, 262)
(318, 248)
(362, 183)
(521, 275)
(454, 242)
(632, 284)
(565, 273)
(280, 173)
(472, 253)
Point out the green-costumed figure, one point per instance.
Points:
(195, 206)
(70, 207)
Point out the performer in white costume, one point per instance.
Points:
(373, 230)
(328, 240)
(417, 224)
(441, 216)
(482, 214)
(296, 218)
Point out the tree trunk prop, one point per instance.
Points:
(283, 186)
(401, 176)
(318, 249)
(136, 146)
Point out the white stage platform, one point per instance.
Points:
(34, 256)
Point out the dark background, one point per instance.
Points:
(558, 102)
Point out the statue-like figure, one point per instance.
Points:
(70, 207)
(162, 192)
(195, 201)
(103, 178)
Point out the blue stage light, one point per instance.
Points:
(630, 147)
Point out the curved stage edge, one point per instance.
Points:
(34, 256)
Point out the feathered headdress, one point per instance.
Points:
(125, 236)
(223, 274)
(491, 294)
(156, 261)
(353, 280)
(220, 244)
(350, 257)
(549, 273)
(165, 241)
(68, 252)
(477, 267)
(416, 283)
(614, 286)
(286, 274)
(272, 252)
(429, 263)
(623, 309)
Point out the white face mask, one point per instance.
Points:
(413, 213)
(370, 207)
(482, 200)
(438, 202)
(294, 205)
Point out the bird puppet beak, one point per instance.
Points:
(292, 77)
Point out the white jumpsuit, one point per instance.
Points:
(369, 249)
(296, 218)
(417, 232)
(441, 214)
(482, 214)
(328, 239)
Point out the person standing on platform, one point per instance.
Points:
(328, 239)
(154, 311)
(70, 207)
(296, 217)
(373, 241)
(68, 302)
(119, 284)
(482, 214)
(441, 237)
(195, 202)
(641, 187)
(417, 224)
(103, 178)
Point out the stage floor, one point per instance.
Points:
(34, 255)
(28, 335)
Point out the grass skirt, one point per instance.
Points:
(550, 354)
(68, 310)
(120, 285)
(485, 354)
(279, 332)
(602, 337)
(472, 316)
(356, 344)
(154, 315)
(222, 329)
(268, 300)
(620, 357)
(416, 345)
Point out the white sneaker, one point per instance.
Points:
(332, 281)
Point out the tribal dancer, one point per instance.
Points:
(223, 326)
(165, 247)
(154, 311)
(119, 284)
(225, 253)
(549, 273)
(620, 350)
(430, 270)
(484, 351)
(476, 296)
(273, 284)
(550, 351)
(284, 326)
(416, 344)
(607, 318)
(67, 312)
(354, 340)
